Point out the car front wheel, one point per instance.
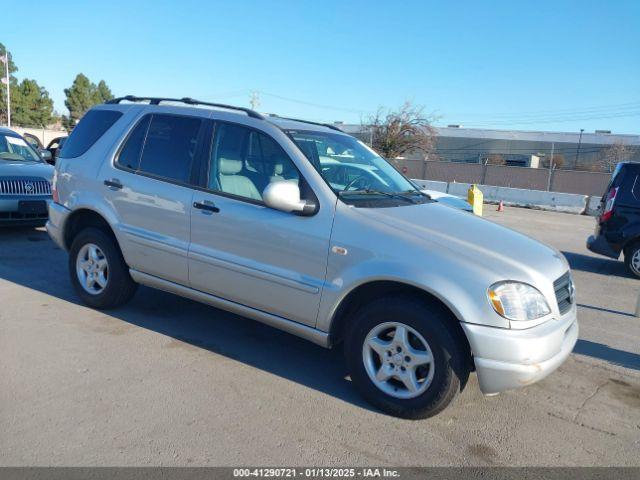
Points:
(405, 357)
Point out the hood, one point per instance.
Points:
(9, 168)
(434, 194)
(505, 253)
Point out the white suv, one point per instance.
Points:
(305, 228)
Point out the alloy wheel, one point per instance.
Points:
(398, 360)
(92, 269)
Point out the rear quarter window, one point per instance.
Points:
(635, 188)
(626, 180)
(129, 156)
(91, 127)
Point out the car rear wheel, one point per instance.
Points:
(632, 259)
(98, 271)
(404, 356)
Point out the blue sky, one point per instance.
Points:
(555, 65)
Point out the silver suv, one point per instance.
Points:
(305, 228)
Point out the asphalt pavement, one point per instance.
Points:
(167, 381)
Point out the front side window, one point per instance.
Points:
(244, 161)
(353, 170)
(169, 148)
(16, 149)
(91, 127)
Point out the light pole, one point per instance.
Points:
(578, 152)
(553, 148)
(7, 80)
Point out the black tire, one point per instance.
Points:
(450, 353)
(119, 288)
(629, 252)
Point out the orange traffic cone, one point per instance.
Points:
(501, 206)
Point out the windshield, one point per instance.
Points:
(349, 166)
(16, 149)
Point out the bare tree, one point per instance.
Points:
(612, 155)
(556, 162)
(394, 133)
(434, 157)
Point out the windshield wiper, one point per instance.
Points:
(369, 191)
(414, 193)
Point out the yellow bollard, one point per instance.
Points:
(475, 198)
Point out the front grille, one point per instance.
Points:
(563, 287)
(24, 186)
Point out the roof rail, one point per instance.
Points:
(328, 125)
(185, 100)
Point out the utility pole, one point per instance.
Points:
(553, 147)
(578, 152)
(254, 99)
(5, 80)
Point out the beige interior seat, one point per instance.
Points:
(280, 175)
(232, 182)
(277, 176)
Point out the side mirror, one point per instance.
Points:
(45, 155)
(285, 196)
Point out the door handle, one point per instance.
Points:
(113, 184)
(207, 206)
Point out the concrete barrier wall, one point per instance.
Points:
(433, 185)
(539, 199)
(593, 206)
(43, 134)
(560, 202)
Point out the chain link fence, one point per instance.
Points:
(565, 181)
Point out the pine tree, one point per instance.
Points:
(31, 105)
(81, 96)
(103, 92)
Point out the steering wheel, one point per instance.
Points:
(364, 180)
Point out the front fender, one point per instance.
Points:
(465, 306)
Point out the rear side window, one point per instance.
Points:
(129, 156)
(636, 188)
(88, 131)
(170, 147)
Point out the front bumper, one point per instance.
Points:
(10, 214)
(509, 359)
(600, 245)
(55, 226)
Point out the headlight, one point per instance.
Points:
(517, 301)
